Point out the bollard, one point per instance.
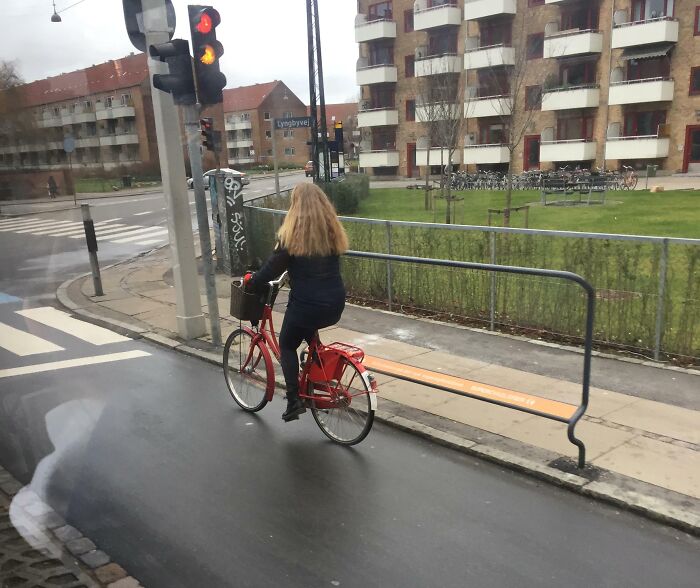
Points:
(91, 240)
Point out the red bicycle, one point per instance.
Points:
(333, 383)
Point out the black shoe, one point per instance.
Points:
(294, 409)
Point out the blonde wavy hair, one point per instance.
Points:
(312, 227)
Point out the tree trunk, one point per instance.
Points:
(427, 180)
(448, 198)
(509, 190)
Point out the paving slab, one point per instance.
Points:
(133, 306)
(446, 363)
(375, 345)
(414, 395)
(161, 317)
(483, 415)
(660, 418)
(655, 462)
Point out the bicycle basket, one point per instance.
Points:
(246, 306)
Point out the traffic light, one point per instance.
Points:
(207, 51)
(179, 82)
(211, 139)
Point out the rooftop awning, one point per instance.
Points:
(647, 52)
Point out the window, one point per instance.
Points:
(245, 116)
(696, 28)
(125, 99)
(533, 97)
(640, 124)
(648, 9)
(266, 116)
(535, 46)
(287, 115)
(694, 80)
(268, 134)
(57, 111)
(288, 134)
(410, 110)
(408, 21)
(108, 101)
(583, 16)
(535, 2)
(496, 33)
(409, 63)
(290, 151)
(577, 74)
(642, 69)
(493, 134)
(71, 108)
(379, 11)
(381, 54)
(87, 105)
(443, 42)
(382, 96)
(575, 128)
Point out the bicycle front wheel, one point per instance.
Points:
(247, 369)
(343, 409)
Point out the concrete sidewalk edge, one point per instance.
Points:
(59, 540)
(654, 508)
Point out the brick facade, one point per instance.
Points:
(614, 76)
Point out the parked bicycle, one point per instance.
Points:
(629, 178)
(333, 383)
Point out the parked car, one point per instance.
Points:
(309, 168)
(227, 170)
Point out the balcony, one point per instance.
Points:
(122, 139)
(384, 158)
(572, 150)
(374, 30)
(87, 142)
(48, 121)
(488, 106)
(114, 112)
(646, 147)
(482, 154)
(235, 144)
(78, 117)
(571, 97)
(239, 125)
(425, 18)
(438, 64)
(476, 9)
(377, 117)
(645, 32)
(438, 156)
(240, 160)
(639, 91)
(568, 43)
(493, 56)
(377, 74)
(427, 112)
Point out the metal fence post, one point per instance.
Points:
(389, 289)
(492, 305)
(660, 306)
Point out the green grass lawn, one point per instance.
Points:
(89, 185)
(668, 214)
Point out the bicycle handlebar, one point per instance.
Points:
(279, 280)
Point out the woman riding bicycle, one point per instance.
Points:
(310, 242)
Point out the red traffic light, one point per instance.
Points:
(205, 24)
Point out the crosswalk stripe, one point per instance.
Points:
(18, 219)
(25, 224)
(151, 242)
(78, 231)
(69, 227)
(118, 228)
(155, 233)
(22, 343)
(69, 363)
(130, 232)
(53, 224)
(142, 213)
(57, 319)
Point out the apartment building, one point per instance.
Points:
(106, 108)
(585, 82)
(346, 113)
(248, 113)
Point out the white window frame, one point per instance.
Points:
(267, 116)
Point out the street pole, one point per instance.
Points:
(190, 320)
(192, 132)
(72, 180)
(274, 158)
(91, 240)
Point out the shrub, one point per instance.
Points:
(346, 193)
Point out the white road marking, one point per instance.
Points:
(22, 343)
(156, 233)
(57, 319)
(131, 232)
(53, 224)
(118, 229)
(76, 231)
(20, 219)
(69, 363)
(151, 242)
(23, 225)
(57, 229)
(142, 213)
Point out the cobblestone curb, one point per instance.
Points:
(644, 499)
(39, 549)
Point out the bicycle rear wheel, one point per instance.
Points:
(344, 411)
(247, 370)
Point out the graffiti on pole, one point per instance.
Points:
(238, 243)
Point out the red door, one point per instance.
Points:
(531, 157)
(412, 168)
(691, 153)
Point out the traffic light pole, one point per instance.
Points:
(192, 132)
(190, 320)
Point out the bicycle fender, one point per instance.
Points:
(366, 378)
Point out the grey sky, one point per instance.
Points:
(263, 40)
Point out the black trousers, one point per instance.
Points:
(291, 336)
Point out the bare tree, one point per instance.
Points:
(515, 109)
(14, 117)
(441, 112)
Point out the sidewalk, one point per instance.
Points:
(642, 427)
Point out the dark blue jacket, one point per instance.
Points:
(317, 296)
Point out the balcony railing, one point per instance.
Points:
(660, 89)
(476, 9)
(637, 147)
(437, 64)
(663, 29)
(573, 42)
(567, 97)
(486, 153)
(371, 30)
(382, 73)
(428, 17)
(489, 56)
(568, 150)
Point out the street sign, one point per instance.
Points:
(69, 144)
(296, 122)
